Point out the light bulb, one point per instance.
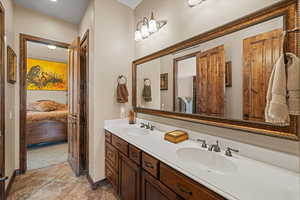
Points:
(145, 31)
(193, 3)
(152, 26)
(138, 35)
(52, 47)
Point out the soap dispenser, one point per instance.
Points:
(132, 117)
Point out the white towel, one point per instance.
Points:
(283, 95)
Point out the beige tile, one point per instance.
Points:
(57, 182)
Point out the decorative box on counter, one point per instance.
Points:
(176, 136)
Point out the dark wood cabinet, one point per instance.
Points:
(129, 179)
(135, 175)
(152, 189)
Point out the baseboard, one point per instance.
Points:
(97, 184)
(11, 181)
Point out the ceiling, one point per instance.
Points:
(68, 10)
(40, 51)
(131, 3)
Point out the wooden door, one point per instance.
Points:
(259, 56)
(84, 96)
(2, 106)
(129, 179)
(211, 82)
(152, 189)
(74, 106)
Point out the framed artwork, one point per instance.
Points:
(11, 65)
(228, 74)
(46, 75)
(164, 81)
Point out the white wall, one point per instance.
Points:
(33, 23)
(185, 22)
(88, 23)
(151, 71)
(186, 71)
(114, 52)
(10, 133)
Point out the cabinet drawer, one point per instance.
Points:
(185, 187)
(150, 164)
(111, 156)
(120, 144)
(112, 177)
(135, 154)
(108, 136)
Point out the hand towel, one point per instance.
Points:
(147, 93)
(122, 93)
(283, 95)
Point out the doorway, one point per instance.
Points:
(2, 104)
(56, 130)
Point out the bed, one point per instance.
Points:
(46, 122)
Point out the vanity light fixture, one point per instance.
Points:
(51, 47)
(146, 27)
(193, 3)
(53, 0)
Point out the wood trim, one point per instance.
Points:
(285, 8)
(24, 38)
(2, 99)
(95, 185)
(175, 75)
(85, 43)
(11, 181)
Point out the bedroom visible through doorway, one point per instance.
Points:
(47, 119)
(47, 103)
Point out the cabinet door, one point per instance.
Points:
(129, 179)
(152, 189)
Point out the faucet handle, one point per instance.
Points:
(204, 145)
(152, 127)
(143, 125)
(228, 151)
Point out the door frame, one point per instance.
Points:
(2, 96)
(84, 43)
(24, 38)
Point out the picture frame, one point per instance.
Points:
(228, 74)
(164, 81)
(11, 66)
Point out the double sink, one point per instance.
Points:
(206, 160)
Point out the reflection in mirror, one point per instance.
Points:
(225, 77)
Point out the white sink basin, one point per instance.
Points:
(207, 160)
(136, 131)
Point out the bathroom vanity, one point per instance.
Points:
(135, 175)
(141, 165)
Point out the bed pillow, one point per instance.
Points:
(44, 106)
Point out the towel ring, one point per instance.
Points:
(145, 83)
(120, 78)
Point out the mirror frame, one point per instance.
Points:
(285, 8)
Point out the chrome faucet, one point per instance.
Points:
(228, 151)
(214, 147)
(147, 126)
(204, 145)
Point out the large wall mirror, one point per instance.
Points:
(219, 77)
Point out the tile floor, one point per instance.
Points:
(45, 156)
(56, 182)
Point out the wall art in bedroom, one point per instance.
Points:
(46, 75)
